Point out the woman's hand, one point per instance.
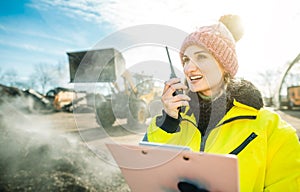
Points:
(172, 102)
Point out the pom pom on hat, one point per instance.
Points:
(234, 25)
(219, 39)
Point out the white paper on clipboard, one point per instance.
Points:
(158, 168)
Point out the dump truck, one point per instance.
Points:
(293, 96)
(118, 92)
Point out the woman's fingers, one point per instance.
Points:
(172, 85)
(171, 102)
(176, 101)
(171, 107)
(173, 99)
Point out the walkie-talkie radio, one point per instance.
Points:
(173, 75)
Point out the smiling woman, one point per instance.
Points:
(203, 71)
(225, 115)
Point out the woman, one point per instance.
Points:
(223, 115)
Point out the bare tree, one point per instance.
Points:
(1, 76)
(32, 82)
(43, 76)
(268, 80)
(60, 73)
(9, 77)
(47, 76)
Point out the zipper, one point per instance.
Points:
(237, 118)
(204, 137)
(244, 144)
(203, 141)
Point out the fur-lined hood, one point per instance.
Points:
(244, 92)
(211, 111)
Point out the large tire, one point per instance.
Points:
(290, 105)
(155, 107)
(105, 115)
(138, 113)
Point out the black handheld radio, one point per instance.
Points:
(173, 75)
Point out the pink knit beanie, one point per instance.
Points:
(219, 40)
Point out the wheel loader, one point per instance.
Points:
(118, 93)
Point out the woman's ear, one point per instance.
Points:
(227, 77)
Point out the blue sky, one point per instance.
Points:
(34, 32)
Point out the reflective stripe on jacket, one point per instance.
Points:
(267, 147)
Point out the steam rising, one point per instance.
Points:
(35, 158)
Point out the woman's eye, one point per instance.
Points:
(185, 60)
(201, 56)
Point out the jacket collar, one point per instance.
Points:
(237, 112)
(241, 98)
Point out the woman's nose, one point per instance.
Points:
(190, 66)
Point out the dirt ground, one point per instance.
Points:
(67, 152)
(58, 152)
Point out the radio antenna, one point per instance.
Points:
(173, 75)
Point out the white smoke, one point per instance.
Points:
(36, 158)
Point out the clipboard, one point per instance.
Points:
(154, 167)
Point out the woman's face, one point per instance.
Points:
(203, 73)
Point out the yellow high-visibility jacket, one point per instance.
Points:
(267, 147)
